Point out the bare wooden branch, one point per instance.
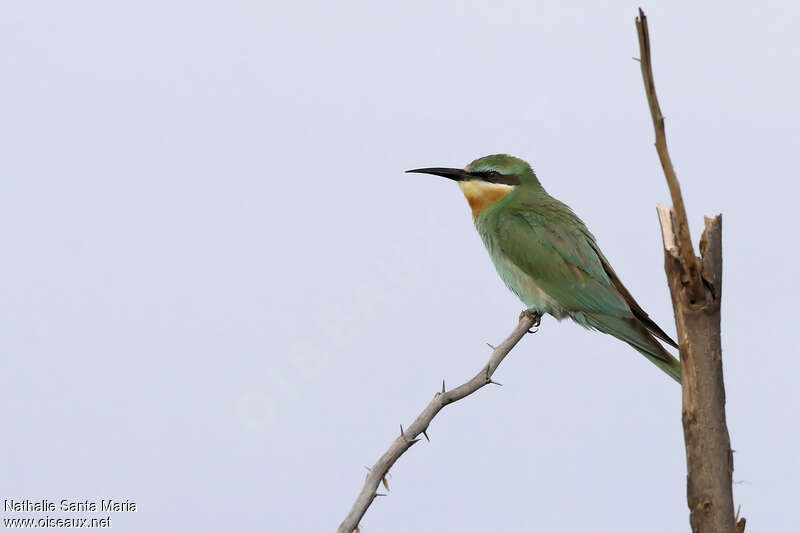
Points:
(695, 286)
(690, 263)
(709, 458)
(409, 436)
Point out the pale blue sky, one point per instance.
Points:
(223, 296)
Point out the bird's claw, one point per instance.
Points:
(536, 317)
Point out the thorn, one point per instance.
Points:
(368, 468)
(490, 346)
(380, 494)
(741, 523)
(403, 434)
(636, 59)
(495, 383)
(442, 386)
(425, 432)
(385, 483)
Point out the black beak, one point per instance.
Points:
(455, 174)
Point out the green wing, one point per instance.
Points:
(553, 246)
(555, 249)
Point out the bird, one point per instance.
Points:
(547, 256)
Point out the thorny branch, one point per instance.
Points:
(409, 436)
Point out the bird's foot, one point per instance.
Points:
(536, 317)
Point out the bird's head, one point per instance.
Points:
(487, 180)
(501, 168)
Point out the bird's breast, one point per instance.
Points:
(526, 288)
(520, 282)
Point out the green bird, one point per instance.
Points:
(547, 257)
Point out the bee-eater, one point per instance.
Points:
(547, 257)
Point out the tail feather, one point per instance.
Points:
(632, 331)
(672, 367)
(636, 309)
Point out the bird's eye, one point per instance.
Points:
(492, 175)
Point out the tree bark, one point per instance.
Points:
(696, 288)
(709, 458)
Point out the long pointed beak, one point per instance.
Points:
(452, 173)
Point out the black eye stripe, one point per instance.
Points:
(492, 176)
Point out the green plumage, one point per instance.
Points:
(545, 254)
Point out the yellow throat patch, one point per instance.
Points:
(481, 194)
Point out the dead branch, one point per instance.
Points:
(696, 288)
(684, 238)
(409, 436)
